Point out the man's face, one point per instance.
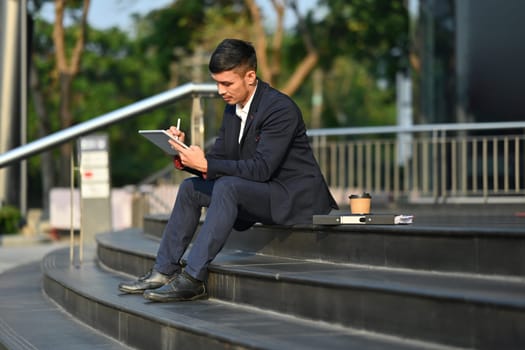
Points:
(235, 86)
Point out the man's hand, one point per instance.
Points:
(177, 133)
(192, 157)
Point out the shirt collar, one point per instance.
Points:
(243, 112)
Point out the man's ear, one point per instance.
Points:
(251, 76)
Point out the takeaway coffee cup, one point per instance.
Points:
(360, 203)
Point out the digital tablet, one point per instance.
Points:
(160, 138)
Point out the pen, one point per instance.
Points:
(178, 127)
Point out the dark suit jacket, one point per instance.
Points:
(274, 149)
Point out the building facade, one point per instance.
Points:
(467, 59)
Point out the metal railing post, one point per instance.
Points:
(342, 173)
(485, 168)
(505, 163)
(435, 180)
(464, 166)
(377, 162)
(71, 210)
(368, 166)
(396, 180)
(444, 168)
(388, 166)
(415, 165)
(474, 165)
(333, 164)
(516, 161)
(453, 167)
(197, 122)
(74, 168)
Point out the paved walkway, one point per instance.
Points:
(17, 250)
(22, 312)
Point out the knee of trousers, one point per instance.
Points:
(186, 184)
(187, 187)
(226, 185)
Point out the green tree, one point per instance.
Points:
(372, 32)
(67, 66)
(362, 44)
(115, 73)
(354, 98)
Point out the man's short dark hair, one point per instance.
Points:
(233, 54)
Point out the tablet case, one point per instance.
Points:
(363, 219)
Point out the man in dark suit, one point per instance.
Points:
(260, 169)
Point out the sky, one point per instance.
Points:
(104, 14)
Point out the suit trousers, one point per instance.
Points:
(229, 200)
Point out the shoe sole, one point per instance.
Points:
(136, 291)
(132, 291)
(167, 299)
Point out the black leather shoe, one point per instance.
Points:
(151, 280)
(181, 287)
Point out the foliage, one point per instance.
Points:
(114, 74)
(354, 99)
(191, 26)
(366, 47)
(373, 32)
(10, 219)
(162, 31)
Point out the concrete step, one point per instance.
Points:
(473, 249)
(90, 294)
(447, 308)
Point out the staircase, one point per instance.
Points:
(312, 287)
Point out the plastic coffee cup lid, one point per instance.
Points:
(362, 195)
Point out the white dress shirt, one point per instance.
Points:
(242, 112)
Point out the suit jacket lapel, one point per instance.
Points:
(232, 124)
(253, 108)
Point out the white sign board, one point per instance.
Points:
(94, 170)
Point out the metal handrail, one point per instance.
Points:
(105, 120)
(415, 128)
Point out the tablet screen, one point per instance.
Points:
(160, 139)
